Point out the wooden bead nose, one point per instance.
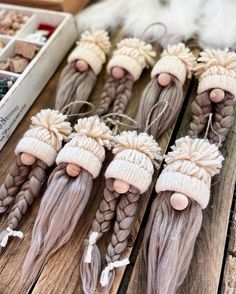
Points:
(217, 95)
(28, 159)
(118, 72)
(179, 201)
(73, 170)
(164, 79)
(120, 186)
(81, 65)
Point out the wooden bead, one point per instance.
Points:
(28, 159)
(73, 170)
(118, 72)
(81, 65)
(120, 186)
(179, 201)
(217, 95)
(164, 79)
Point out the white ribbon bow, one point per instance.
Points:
(10, 233)
(104, 280)
(92, 240)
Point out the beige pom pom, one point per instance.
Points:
(73, 170)
(179, 201)
(120, 186)
(118, 72)
(81, 65)
(217, 95)
(28, 159)
(164, 79)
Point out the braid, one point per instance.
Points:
(201, 108)
(123, 94)
(101, 224)
(126, 211)
(28, 193)
(16, 177)
(108, 95)
(25, 198)
(223, 119)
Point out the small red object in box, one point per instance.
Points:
(45, 27)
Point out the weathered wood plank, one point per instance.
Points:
(229, 270)
(205, 270)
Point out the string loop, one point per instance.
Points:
(107, 118)
(157, 104)
(79, 113)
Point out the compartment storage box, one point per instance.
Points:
(28, 85)
(72, 6)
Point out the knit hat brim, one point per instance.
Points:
(90, 57)
(192, 187)
(38, 149)
(127, 63)
(225, 83)
(129, 173)
(171, 65)
(82, 158)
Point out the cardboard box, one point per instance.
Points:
(72, 6)
(30, 83)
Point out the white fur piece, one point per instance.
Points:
(217, 24)
(180, 18)
(140, 15)
(105, 15)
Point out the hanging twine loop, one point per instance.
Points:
(107, 118)
(104, 280)
(158, 104)
(79, 114)
(152, 25)
(210, 126)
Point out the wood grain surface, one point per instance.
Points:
(61, 274)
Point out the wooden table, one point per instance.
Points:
(214, 263)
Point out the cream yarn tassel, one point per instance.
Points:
(104, 280)
(10, 233)
(91, 242)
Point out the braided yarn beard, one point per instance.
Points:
(222, 121)
(29, 191)
(118, 92)
(101, 224)
(125, 214)
(223, 118)
(200, 110)
(61, 208)
(74, 86)
(171, 94)
(16, 177)
(168, 244)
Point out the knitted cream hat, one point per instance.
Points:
(216, 69)
(133, 55)
(190, 166)
(133, 161)
(86, 147)
(176, 60)
(92, 48)
(44, 138)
